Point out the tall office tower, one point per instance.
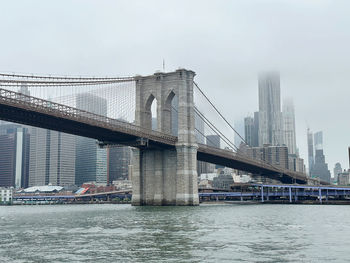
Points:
(320, 167)
(310, 150)
(14, 155)
(337, 170)
(318, 140)
(119, 161)
(52, 158)
(240, 129)
(289, 125)
(251, 130)
(270, 116)
(275, 155)
(248, 130)
(91, 161)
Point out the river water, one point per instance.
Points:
(208, 233)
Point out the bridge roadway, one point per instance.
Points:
(28, 110)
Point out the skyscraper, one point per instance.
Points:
(337, 170)
(14, 155)
(251, 130)
(270, 116)
(91, 161)
(320, 167)
(119, 161)
(240, 128)
(289, 125)
(310, 150)
(52, 158)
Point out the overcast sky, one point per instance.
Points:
(227, 43)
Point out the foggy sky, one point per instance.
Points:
(227, 43)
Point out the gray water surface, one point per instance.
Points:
(209, 233)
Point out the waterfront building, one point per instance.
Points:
(337, 170)
(91, 161)
(223, 181)
(14, 155)
(6, 194)
(289, 126)
(344, 178)
(270, 115)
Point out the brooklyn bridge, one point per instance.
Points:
(165, 154)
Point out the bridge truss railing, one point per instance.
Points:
(20, 100)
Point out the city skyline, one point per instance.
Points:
(308, 52)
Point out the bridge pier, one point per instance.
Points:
(166, 176)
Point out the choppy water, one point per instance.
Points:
(209, 233)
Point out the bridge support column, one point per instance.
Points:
(166, 176)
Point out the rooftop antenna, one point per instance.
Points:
(163, 65)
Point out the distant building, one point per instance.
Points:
(310, 150)
(223, 181)
(213, 141)
(240, 129)
(320, 167)
(14, 155)
(119, 160)
(289, 126)
(251, 130)
(274, 155)
(91, 161)
(337, 170)
(318, 140)
(270, 115)
(344, 178)
(296, 163)
(52, 158)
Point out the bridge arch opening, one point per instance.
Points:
(151, 108)
(171, 106)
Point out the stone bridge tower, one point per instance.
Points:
(166, 176)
